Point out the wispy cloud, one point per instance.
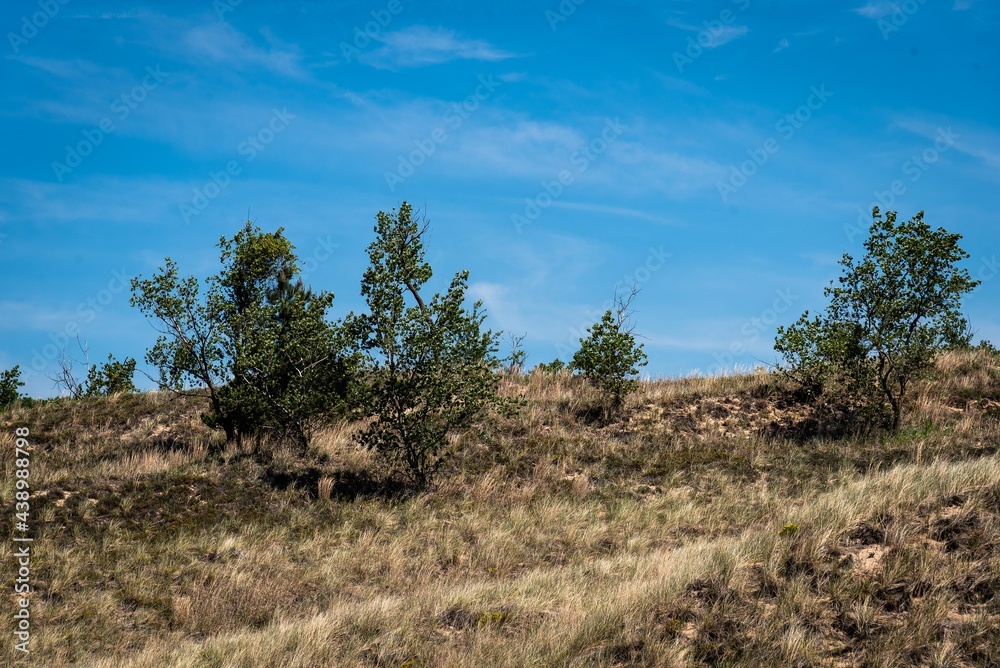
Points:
(973, 140)
(727, 34)
(222, 43)
(418, 46)
(782, 45)
(715, 36)
(878, 10)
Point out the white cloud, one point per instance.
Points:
(715, 36)
(878, 10)
(418, 46)
(726, 34)
(222, 43)
(782, 45)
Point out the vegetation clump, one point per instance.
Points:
(888, 315)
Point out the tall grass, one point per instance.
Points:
(687, 533)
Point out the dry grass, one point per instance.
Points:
(691, 533)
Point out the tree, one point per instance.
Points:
(10, 384)
(429, 362)
(888, 315)
(609, 358)
(257, 345)
(554, 367)
(111, 377)
(513, 363)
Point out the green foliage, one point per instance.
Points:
(610, 359)
(429, 363)
(258, 340)
(10, 384)
(887, 317)
(988, 348)
(112, 377)
(554, 367)
(789, 529)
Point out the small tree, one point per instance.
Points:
(513, 363)
(430, 364)
(554, 367)
(10, 384)
(111, 377)
(257, 344)
(610, 358)
(887, 317)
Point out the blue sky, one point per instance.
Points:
(723, 155)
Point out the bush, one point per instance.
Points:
(112, 377)
(10, 384)
(258, 340)
(610, 359)
(554, 367)
(886, 319)
(430, 366)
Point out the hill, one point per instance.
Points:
(716, 525)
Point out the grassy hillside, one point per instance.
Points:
(712, 527)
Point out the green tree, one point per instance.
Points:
(429, 363)
(554, 367)
(111, 377)
(257, 344)
(610, 358)
(10, 384)
(887, 317)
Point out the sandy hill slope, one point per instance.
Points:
(716, 524)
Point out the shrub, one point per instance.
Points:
(257, 343)
(10, 384)
(429, 364)
(609, 358)
(886, 319)
(112, 377)
(554, 367)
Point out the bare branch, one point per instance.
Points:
(623, 309)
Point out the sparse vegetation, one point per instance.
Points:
(609, 357)
(10, 386)
(111, 377)
(548, 540)
(888, 317)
